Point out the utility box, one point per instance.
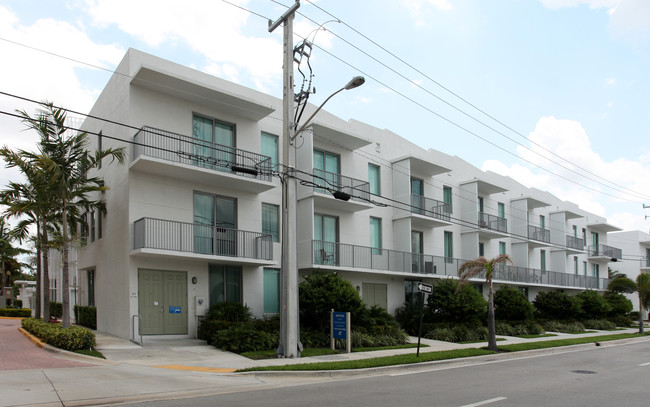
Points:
(200, 305)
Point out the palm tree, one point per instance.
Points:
(641, 286)
(67, 163)
(471, 269)
(30, 203)
(8, 255)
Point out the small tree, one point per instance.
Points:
(641, 286)
(321, 292)
(473, 268)
(510, 304)
(620, 305)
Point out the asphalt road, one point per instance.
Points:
(608, 375)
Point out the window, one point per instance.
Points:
(502, 247)
(100, 219)
(542, 259)
(375, 235)
(584, 267)
(542, 221)
(481, 250)
(446, 198)
(595, 270)
(417, 247)
(53, 289)
(225, 284)
(375, 295)
(84, 227)
(215, 143)
(449, 247)
(374, 178)
(270, 148)
(524, 291)
(91, 288)
(270, 220)
(92, 226)
(271, 291)
(326, 236)
(417, 195)
(584, 237)
(215, 223)
(326, 169)
(411, 291)
(575, 231)
(594, 241)
(502, 209)
(575, 265)
(480, 204)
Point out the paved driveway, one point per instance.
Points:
(19, 353)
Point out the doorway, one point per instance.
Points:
(162, 302)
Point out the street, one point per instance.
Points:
(609, 375)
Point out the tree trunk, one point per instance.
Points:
(65, 276)
(46, 275)
(641, 330)
(492, 333)
(39, 272)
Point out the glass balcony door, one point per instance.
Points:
(215, 224)
(326, 233)
(215, 144)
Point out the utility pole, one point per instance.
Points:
(289, 322)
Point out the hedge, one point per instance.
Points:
(15, 312)
(86, 316)
(56, 309)
(72, 338)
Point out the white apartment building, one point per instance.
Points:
(636, 246)
(193, 218)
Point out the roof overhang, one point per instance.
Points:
(201, 92)
(422, 166)
(338, 136)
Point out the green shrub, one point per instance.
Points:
(622, 321)
(209, 327)
(445, 305)
(408, 316)
(86, 316)
(556, 305)
(322, 292)
(441, 334)
(56, 309)
(510, 304)
(313, 338)
(600, 324)
(620, 305)
(562, 326)
(18, 303)
(592, 305)
(72, 338)
(15, 312)
(229, 311)
(518, 328)
(243, 337)
(458, 333)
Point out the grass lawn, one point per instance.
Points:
(376, 362)
(441, 355)
(270, 354)
(92, 352)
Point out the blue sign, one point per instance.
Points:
(339, 325)
(174, 310)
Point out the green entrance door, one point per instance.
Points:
(163, 302)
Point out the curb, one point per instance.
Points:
(32, 338)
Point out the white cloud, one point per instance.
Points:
(419, 8)
(214, 29)
(611, 197)
(610, 81)
(593, 4)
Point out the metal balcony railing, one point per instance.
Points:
(539, 234)
(330, 181)
(492, 222)
(352, 256)
(203, 239)
(602, 250)
(575, 243)
(430, 207)
(178, 148)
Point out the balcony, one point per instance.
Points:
(327, 183)
(196, 241)
(539, 235)
(360, 258)
(492, 226)
(575, 244)
(645, 264)
(177, 156)
(603, 252)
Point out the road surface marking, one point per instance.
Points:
(644, 364)
(482, 403)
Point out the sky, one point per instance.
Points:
(553, 93)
